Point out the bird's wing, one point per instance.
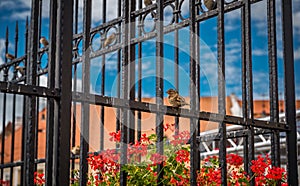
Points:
(179, 98)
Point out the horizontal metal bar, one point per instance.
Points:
(28, 90)
(12, 62)
(107, 24)
(19, 163)
(110, 23)
(22, 79)
(20, 59)
(14, 164)
(232, 134)
(172, 111)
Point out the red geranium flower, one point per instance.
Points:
(182, 155)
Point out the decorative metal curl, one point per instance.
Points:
(143, 22)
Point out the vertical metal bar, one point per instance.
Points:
(289, 88)
(194, 155)
(51, 85)
(102, 83)
(131, 60)
(176, 61)
(40, 20)
(4, 107)
(31, 100)
(12, 153)
(73, 142)
(125, 95)
(118, 114)
(139, 96)
(272, 50)
(85, 110)
(24, 105)
(221, 90)
(62, 106)
(37, 83)
(159, 85)
(249, 85)
(244, 85)
(197, 87)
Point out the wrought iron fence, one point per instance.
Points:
(70, 52)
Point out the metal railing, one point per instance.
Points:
(70, 54)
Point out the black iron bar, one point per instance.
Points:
(249, 82)
(125, 95)
(51, 85)
(30, 119)
(29, 90)
(19, 163)
(74, 114)
(232, 134)
(197, 85)
(131, 74)
(159, 86)
(85, 109)
(194, 129)
(24, 104)
(102, 108)
(244, 85)
(289, 90)
(221, 91)
(39, 58)
(176, 61)
(272, 50)
(62, 106)
(118, 114)
(5, 78)
(13, 62)
(139, 94)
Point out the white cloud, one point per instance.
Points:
(259, 52)
(20, 15)
(232, 51)
(7, 4)
(231, 20)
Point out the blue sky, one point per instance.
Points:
(11, 11)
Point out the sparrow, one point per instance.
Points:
(9, 56)
(109, 40)
(76, 150)
(210, 4)
(175, 99)
(44, 41)
(147, 2)
(21, 70)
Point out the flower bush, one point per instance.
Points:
(142, 161)
(265, 174)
